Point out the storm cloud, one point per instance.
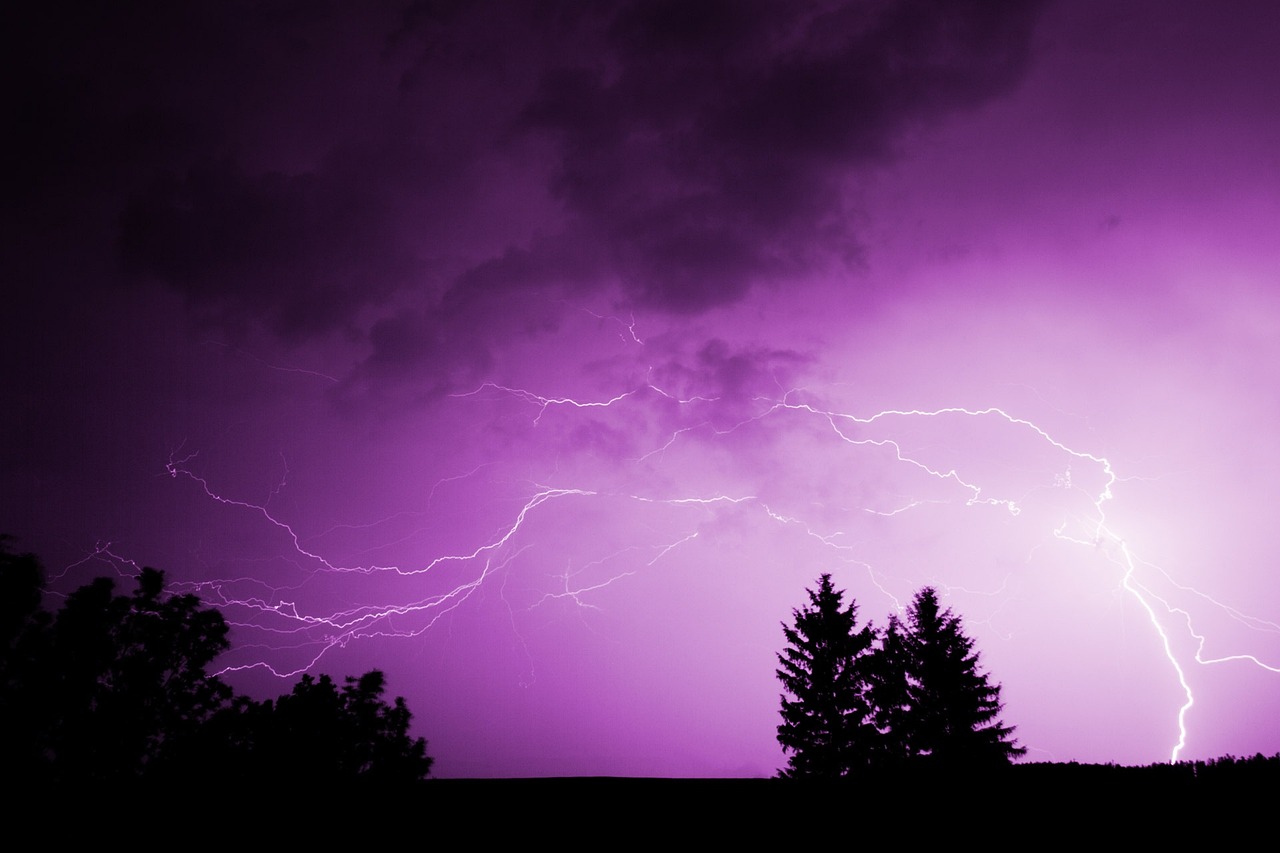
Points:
(313, 171)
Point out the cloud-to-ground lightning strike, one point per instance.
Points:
(285, 624)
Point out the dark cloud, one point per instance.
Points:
(748, 373)
(708, 142)
(420, 344)
(703, 148)
(300, 252)
(107, 95)
(216, 146)
(561, 262)
(448, 346)
(737, 376)
(312, 168)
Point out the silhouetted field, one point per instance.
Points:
(1223, 776)
(1023, 808)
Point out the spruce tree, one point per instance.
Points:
(826, 729)
(952, 711)
(889, 693)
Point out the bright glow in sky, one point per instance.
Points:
(543, 359)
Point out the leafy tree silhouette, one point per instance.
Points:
(321, 734)
(110, 686)
(21, 582)
(826, 729)
(117, 688)
(933, 700)
(24, 646)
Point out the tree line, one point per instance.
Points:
(116, 689)
(912, 694)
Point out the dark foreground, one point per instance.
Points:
(1021, 809)
(1223, 803)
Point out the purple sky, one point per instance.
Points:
(542, 354)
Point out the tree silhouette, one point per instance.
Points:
(933, 700)
(117, 688)
(112, 685)
(24, 636)
(912, 695)
(320, 734)
(826, 728)
(889, 693)
(21, 583)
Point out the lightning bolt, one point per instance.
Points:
(285, 624)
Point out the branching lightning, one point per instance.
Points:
(286, 623)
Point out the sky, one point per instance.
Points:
(542, 355)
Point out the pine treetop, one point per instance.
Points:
(914, 691)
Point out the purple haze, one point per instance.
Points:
(542, 354)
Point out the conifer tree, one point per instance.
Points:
(826, 729)
(950, 711)
(889, 693)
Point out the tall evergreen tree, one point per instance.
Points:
(952, 711)
(889, 692)
(826, 728)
